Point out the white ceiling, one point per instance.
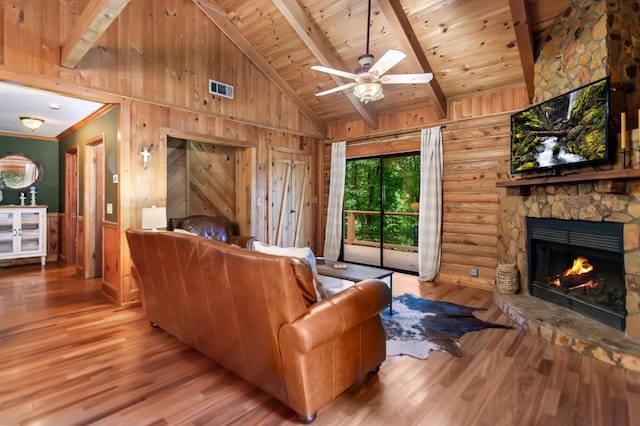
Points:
(20, 101)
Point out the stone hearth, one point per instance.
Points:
(570, 330)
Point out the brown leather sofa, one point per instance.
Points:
(256, 315)
(212, 227)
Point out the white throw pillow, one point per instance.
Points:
(299, 252)
(184, 231)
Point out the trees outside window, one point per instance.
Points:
(381, 204)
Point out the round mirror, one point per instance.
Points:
(18, 172)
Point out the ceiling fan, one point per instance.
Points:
(369, 77)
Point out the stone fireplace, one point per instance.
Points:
(590, 41)
(599, 203)
(585, 206)
(578, 265)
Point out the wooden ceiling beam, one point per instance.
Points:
(524, 38)
(219, 17)
(323, 51)
(93, 22)
(401, 27)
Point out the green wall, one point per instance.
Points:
(105, 125)
(46, 153)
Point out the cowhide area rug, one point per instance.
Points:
(418, 326)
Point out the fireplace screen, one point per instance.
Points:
(578, 265)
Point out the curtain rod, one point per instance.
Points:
(380, 135)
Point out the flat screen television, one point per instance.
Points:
(570, 130)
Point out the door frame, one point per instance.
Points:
(246, 205)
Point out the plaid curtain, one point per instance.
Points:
(333, 231)
(430, 216)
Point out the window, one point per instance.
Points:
(381, 205)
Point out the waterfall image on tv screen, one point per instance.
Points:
(567, 131)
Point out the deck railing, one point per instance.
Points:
(352, 239)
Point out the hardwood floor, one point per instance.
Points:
(68, 356)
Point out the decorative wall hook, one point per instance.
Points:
(145, 157)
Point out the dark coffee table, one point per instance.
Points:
(355, 273)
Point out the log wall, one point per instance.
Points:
(475, 143)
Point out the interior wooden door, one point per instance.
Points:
(71, 206)
(93, 207)
(289, 212)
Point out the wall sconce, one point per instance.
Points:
(32, 123)
(154, 217)
(145, 157)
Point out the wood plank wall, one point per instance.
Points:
(155, 60)
(204, 178)
(150, 127)
(475, 140)
(110, 265)
(162, 52)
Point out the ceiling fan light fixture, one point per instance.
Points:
(32, 123)
(368, 91)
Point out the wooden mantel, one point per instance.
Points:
(608, 180)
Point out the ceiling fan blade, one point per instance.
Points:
(388, 61)
(406, 78)
(337, 89)
(328, 70)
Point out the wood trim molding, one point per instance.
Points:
(607, 180)
(202, 137)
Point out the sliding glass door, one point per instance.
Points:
(381, 211)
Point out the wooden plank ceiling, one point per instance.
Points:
(470, 46)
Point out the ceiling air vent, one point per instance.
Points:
(221, 89)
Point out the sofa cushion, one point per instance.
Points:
(304, 279)
(301, 253)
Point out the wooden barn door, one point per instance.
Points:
(289, 212)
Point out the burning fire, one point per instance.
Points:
(580, 266)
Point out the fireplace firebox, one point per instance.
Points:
(578, 265)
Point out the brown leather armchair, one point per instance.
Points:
(256, 315)
(216, 228)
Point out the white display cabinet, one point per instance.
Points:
(23, 232)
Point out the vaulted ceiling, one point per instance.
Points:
(470, 46)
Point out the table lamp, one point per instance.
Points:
(154, 217)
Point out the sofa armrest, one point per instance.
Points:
(242, 241)
(331, 317)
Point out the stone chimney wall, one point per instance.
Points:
(591, 40)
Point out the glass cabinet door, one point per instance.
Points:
(30, 234)
(6, 232)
